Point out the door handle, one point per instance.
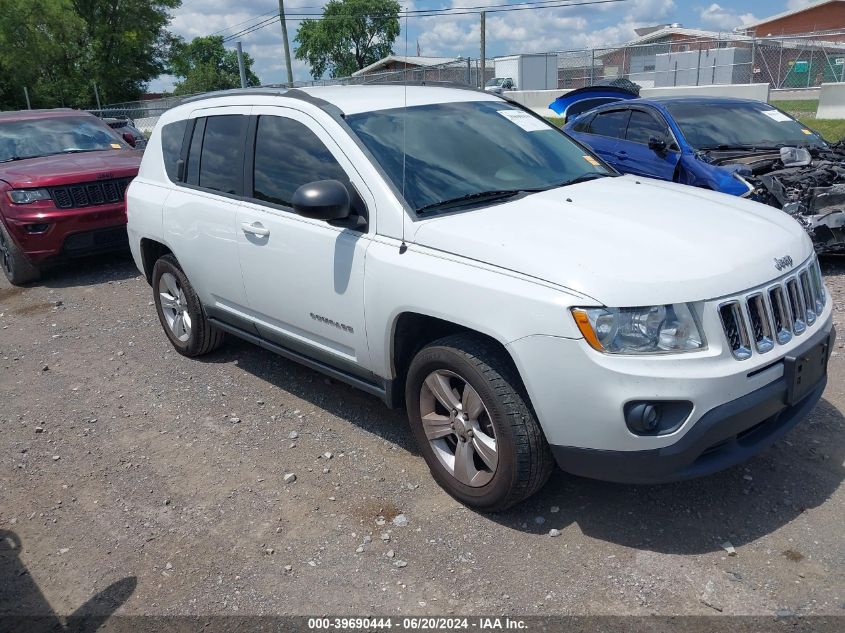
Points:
(256, 228)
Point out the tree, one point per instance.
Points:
(352, 34)
(204, 64)
(58, 49)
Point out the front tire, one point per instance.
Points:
(180, 310)
(473, 424)
(16, 266)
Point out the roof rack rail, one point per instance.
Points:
(269, 91)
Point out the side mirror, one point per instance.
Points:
(322, 200)
(657, 144)
(129, 138)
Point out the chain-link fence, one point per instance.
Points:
(687, 59)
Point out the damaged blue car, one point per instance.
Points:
(735, 146)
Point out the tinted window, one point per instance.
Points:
(172, 135)
(221, 162)
(45, 136)
(738, 124)
(644, 126)
(455, 150)
(583, 124)
(193, 177)
(287, 156)
(610, 124)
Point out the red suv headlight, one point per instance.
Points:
(28, 196)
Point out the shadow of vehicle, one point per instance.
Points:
(364, 411)
(739, 505)
(24, 608)
(89, 271)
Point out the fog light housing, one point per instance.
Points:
(36, 228)
(643, 417)
(660, 417)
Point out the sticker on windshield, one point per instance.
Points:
(807, 132)
(524, 120)
(592, 161)
(776, 115)
(115, 146)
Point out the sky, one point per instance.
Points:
(458, 35)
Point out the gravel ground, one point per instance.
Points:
(121, 461)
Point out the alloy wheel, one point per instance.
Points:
(459, 428)
(174, 306)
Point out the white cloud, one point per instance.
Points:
(716, 16)
(799, 4)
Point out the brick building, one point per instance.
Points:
(823, 17)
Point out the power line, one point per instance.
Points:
(421, 13)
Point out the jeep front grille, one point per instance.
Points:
(759, 320)
(88, 194)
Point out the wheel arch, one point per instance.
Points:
(152, 251)
(410, 332)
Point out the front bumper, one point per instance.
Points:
(724, 436)
(70, 232)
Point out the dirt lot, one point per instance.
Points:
(123, 462)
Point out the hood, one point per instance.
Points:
(627, 241)
(63, 169)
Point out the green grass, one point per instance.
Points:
(832, 130)
(799, 108)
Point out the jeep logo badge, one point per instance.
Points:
(783, 262)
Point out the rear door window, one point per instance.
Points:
(611, 124)
(221, 159)
(172, 136)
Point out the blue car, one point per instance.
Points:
(716, 143)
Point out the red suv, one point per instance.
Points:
(63, 176)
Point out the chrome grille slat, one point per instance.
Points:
(781, 318)
(733, 321)
(796, 306)
(759, 320)
(761, 326)
(807, 294)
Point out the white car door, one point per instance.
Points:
(201, 213)
(304, 278)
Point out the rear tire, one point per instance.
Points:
(180, 310)
(16, 266)
(486, 449)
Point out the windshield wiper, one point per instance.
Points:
(479, 196)
(582, 178)
(745, 148)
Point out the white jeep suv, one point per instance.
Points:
(454, 254)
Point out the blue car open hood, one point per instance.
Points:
(574, 103)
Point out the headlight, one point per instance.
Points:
(26, 196)
(647, 330)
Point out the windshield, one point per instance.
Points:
(54, 135)
(496, 81)
(460, 150)
(739, 125)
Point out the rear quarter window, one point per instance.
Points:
(172, 136)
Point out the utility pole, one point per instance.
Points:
(483, 64)
(97, 96)
(26, 94)
(241, 66)
(285, 39)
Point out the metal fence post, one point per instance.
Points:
(26, 95)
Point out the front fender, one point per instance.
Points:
(695, 172)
